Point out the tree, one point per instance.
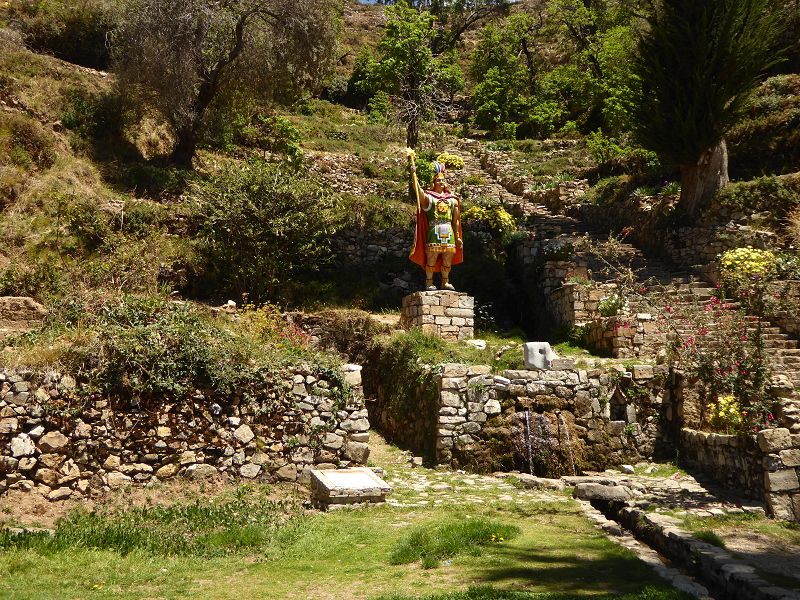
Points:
(420, 84)
(698, 61)
(263, 224)
(505, 67)
(180, 56)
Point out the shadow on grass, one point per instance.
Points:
(613, 572)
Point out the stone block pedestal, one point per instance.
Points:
(450, 315)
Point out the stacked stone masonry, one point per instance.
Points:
(367, 246)
(61, 443)
(764, 466)
(608, 418)
(450, 315)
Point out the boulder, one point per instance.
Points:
(250, 470)
(603, 493)
(243, 434)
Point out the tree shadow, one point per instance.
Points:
(613, 572)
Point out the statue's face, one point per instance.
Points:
(438, 184)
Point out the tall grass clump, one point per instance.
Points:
(214, 528)
(435, 542)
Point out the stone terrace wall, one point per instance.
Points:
(787, 317)
(625, 336)
(370, 247)
(764, 466)
(734, 461)
(60, 447)
(611, 417)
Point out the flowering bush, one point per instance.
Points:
(746, 264)
(492, 219)
(451, 161)
(727, 414)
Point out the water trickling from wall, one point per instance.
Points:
(528, 440)
(543, 444)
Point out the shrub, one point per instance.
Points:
(617, 156)
(741, 265)
(727, 414)
(273, 133)
(379, 108)
(40, 280)
(773, 195)
(493, 219)
(73, 31)
(93, 116)
(451, 161)
(263, 223)
(24, 142)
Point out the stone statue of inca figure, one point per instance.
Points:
(438, 243)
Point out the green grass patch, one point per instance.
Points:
(709, 537)
(432, 350)
(660, 470)
(779, 531)
(558, 554)
(435, 542)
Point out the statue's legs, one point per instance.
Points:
(447, 264)
(430, 264)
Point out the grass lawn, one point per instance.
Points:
(476, 537)
(346, 555)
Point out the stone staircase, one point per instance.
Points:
(658, 280)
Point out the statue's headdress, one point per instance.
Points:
(440, 171)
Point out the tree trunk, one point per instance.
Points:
(183, 152)
(701, 180)
(412, 132)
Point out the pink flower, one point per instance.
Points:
(770, 417)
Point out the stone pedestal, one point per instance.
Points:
(450, 315)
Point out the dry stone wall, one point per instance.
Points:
(626, 336)
(765, 465)
(59, 441)
(367, 246)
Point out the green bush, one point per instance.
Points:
(73, 30)
(273, 133)
(24, 142)
(775, 196)
(43, 278)
(263, 224)
(93, 115)
(89, 223)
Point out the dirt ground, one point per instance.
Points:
(766, 554)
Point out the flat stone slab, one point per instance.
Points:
(341, 487)
(604, 493)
